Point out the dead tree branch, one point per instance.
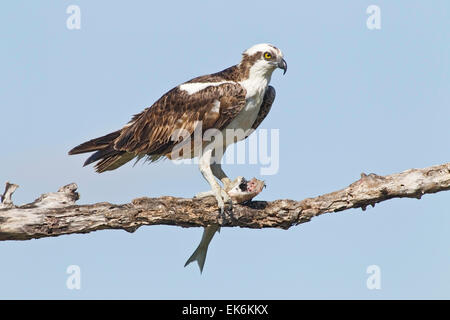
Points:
(56, 213)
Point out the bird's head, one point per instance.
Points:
(264, 58)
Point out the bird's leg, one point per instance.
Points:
(216, 168)
(228, 184)
(217, 171)
(221, 195)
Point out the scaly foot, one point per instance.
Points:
(224, 201)
(229, 184)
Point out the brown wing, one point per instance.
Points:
(150, 132)
(268, 99)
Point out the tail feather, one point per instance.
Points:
(109, 158)
(199, 254)
(101, 154)
(96, 144)
(114, 161)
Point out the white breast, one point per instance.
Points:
(255, 86)
(245, 119)
(255, 93)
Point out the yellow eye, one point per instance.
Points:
(267, 55)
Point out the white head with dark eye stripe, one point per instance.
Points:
(265, 57)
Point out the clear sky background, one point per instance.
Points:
(353, 100)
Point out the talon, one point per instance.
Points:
(220, 203)
(204, 194)
(224, 201)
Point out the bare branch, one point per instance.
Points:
(55, 214)
(5, 199)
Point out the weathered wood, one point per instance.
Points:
(5, 199)
(56, 213)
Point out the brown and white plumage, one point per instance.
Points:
(149, 132)
(238, 97)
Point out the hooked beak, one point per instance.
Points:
(283, 65)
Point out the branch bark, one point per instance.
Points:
(56, 213)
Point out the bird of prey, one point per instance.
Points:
(237, 98)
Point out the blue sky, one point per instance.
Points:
(353, 100)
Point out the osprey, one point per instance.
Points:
(237, 98)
